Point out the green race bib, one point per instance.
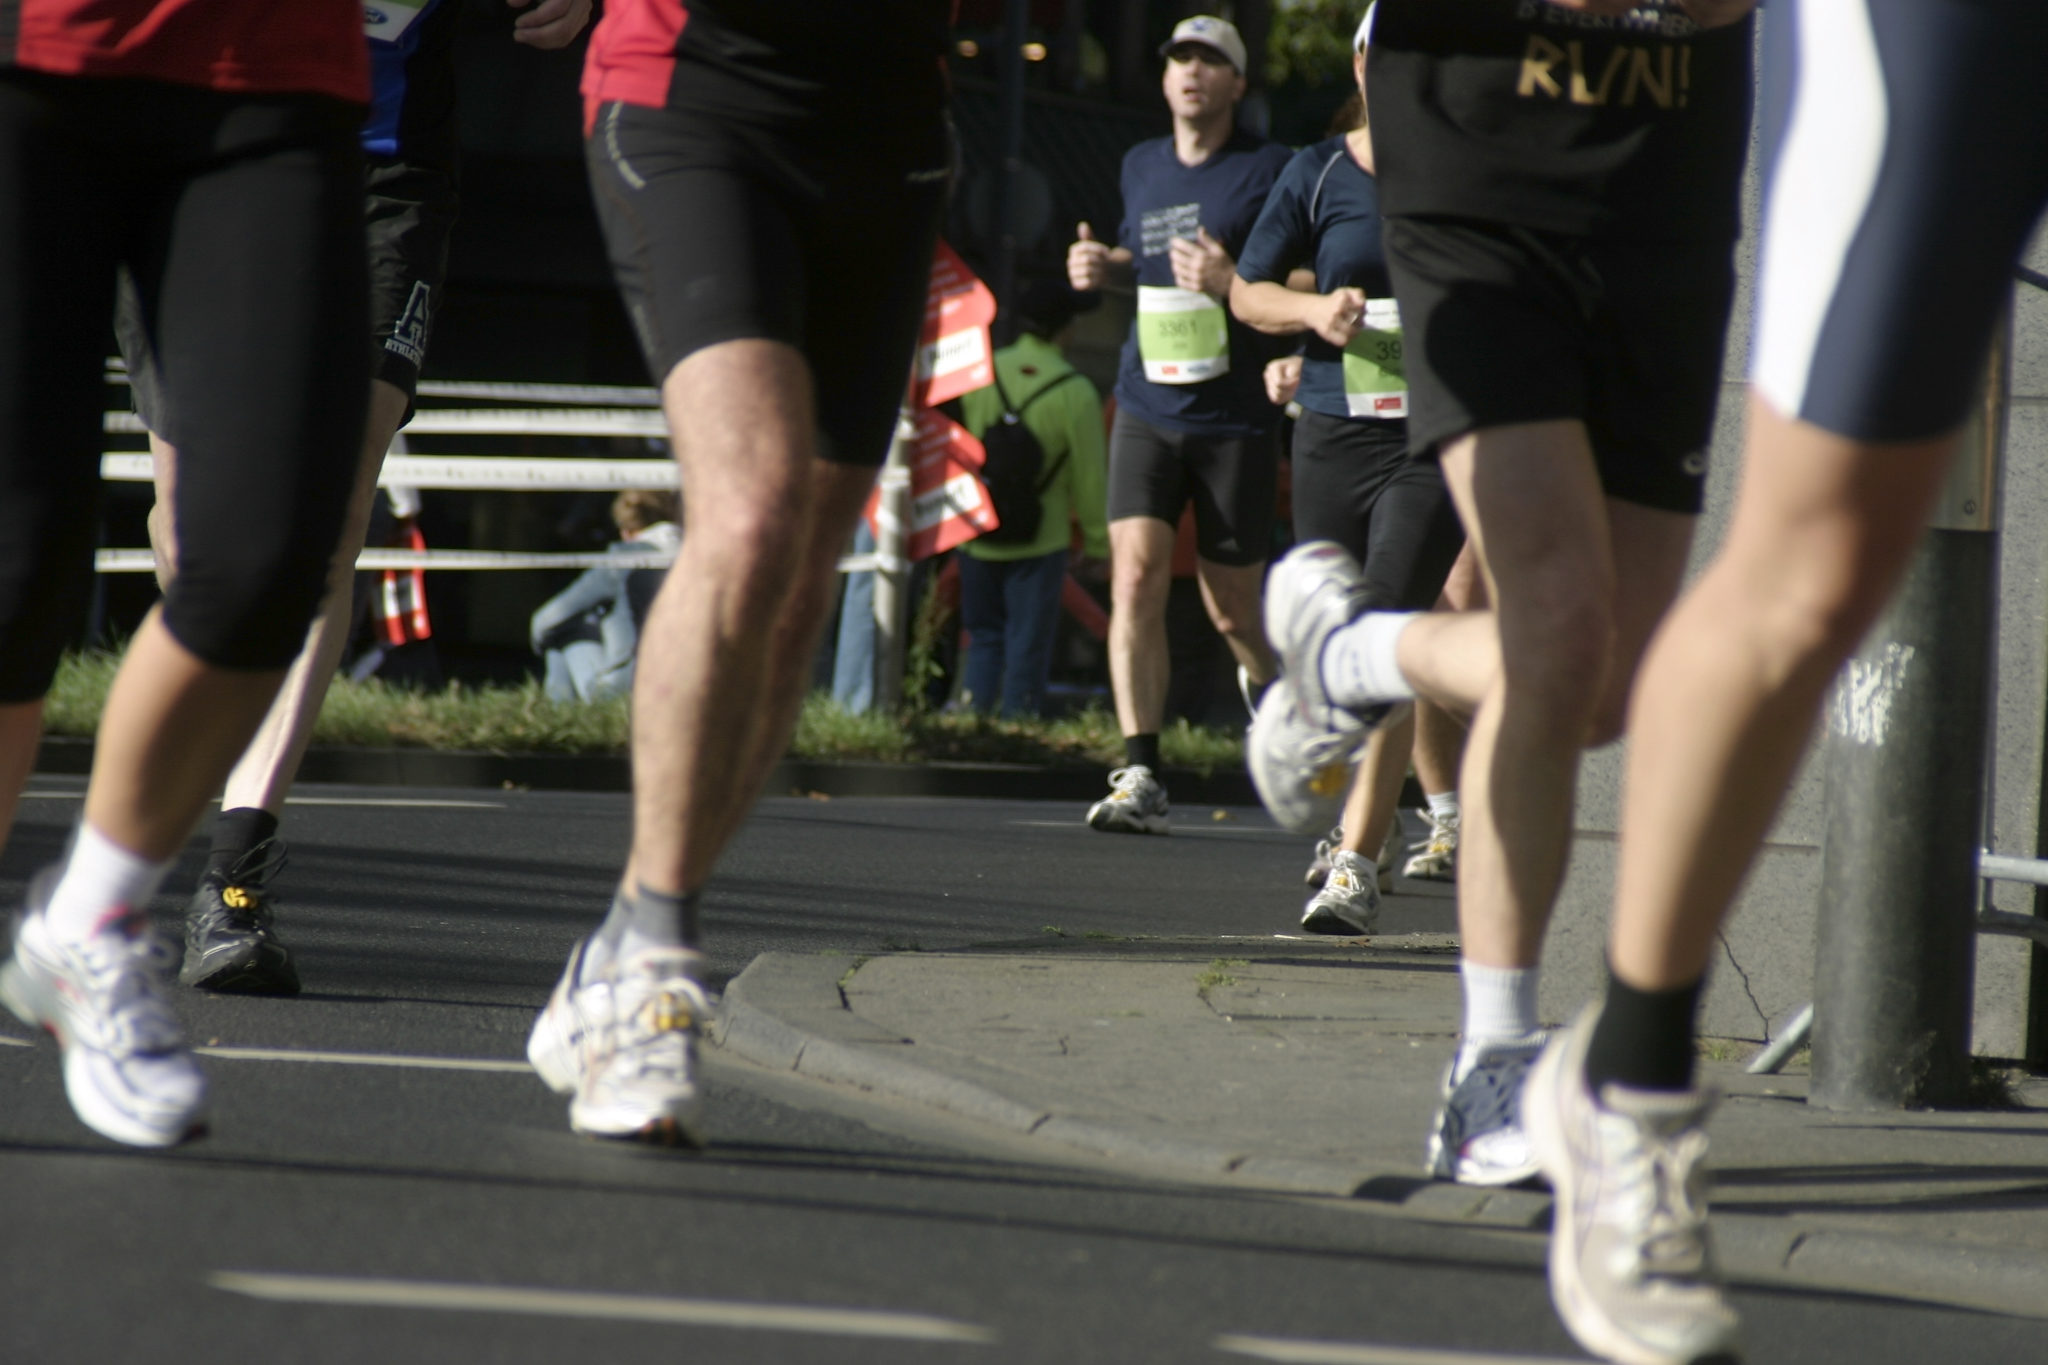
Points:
(1183, 337)
(1375, 377)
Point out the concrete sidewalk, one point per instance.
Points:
(1311, 1065)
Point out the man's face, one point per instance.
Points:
(1200, 81)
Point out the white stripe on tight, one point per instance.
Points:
(479, 1298)
(1818, 193)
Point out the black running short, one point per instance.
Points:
(722, 230)
(1231, 480)
(408, 216)
(1906, 152)
(1506, 325)
(1356, 483)
(240, 219)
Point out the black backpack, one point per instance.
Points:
(1014, 470)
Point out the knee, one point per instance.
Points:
(1138, 584)
(244, 601)
(1557, 656)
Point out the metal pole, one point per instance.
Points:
(1895, 951)
(892, 565)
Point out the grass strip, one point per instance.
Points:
(520, 719)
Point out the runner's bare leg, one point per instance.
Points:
(711, 691)
(1232, 594)
(1141, 575)
(1823, 529)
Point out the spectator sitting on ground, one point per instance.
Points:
(1011, 578)
(589, 632)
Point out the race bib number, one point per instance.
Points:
(1183, 337)
(387, 22)
(1375, 377)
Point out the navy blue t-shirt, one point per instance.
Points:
(1162, 200)
(1323, 213)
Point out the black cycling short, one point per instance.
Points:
(722, 230)
(1356, 483)
(409, 214)
(1231, 480)
(1506, 325)
(240, 219)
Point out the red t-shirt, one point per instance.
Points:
(253, 46)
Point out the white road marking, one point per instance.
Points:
(1291, 1352)
(16, 1042)
(478, 1298)
(282, 1054)
(1179, 831)
(395, 802)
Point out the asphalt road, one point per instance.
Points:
(385, 1182)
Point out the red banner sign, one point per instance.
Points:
(948, 505)
(953, 354)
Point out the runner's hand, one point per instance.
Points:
(1283, 377)
(1201, 264)
(550, 23)
(1336, 317)
(1087, 261)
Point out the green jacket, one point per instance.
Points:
(1066, 421)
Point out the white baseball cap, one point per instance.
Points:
(1364, 34)
(1209, 31)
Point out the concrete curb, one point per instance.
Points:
(396, 767)
(788, 1013)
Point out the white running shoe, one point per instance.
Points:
(638, 1050)
(1476, 1137)
(1631, 1262)
(1136, 804)
(1302, 748)
(1436, 859)
(1390, 852)
(1349, 902)
(555, 1046)
(127, 1071)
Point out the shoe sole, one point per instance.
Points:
(243, 978)
(1116, 823)
(662, 1130)
(1322, 920)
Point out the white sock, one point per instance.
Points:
(1443, 807)
(101, 881)
(1359, 669)
(1500, 1003)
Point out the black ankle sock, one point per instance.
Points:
(1142, 749)
(235, 833)
(1643, 1039)
(651, 917)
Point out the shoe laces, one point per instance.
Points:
(1660, 1195)
(653, 1016)
(1130, 781)
(1347, 871)
(124, 969)
(1489, 1096)
(245, 884)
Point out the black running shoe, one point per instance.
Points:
(230, 944)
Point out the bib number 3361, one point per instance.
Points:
(1375, 377)
(1182, 335)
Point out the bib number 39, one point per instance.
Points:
(1375, 376)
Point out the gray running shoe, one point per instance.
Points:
(1436, 859)
(127, 1071)
(1302, 748)
(1136, 804)
(1319, 866)
(1631, 1262)
(1476, 1137)
(231, 942)
(1349, 902)
(637, 1073)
